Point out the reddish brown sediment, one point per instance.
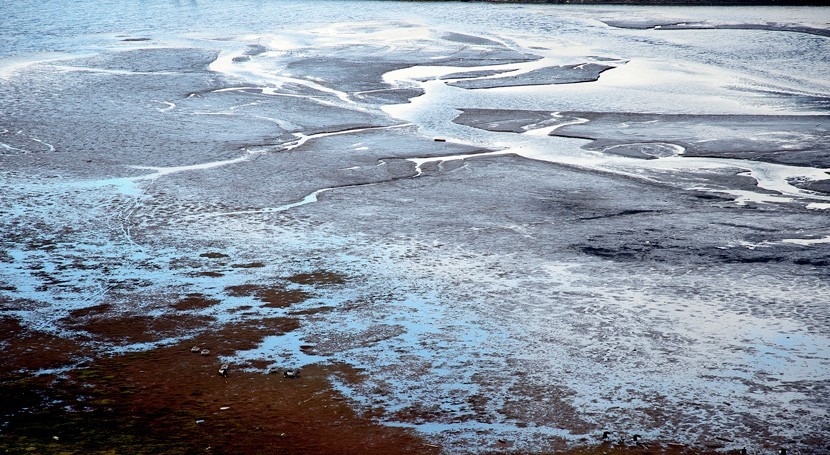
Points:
(211, 274)
(31, 350)
(133, 328)
(213, 255)
(249, 265)
(194, 301)
(172, 400)
(90, 310)
(272, 296)
(319, 277)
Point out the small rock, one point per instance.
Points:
(292, 374)
(438, 139)
(223, 370)
(224, 408)
(205, 352)
(55, 438)
(195, 349)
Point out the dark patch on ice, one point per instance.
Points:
(508, 121)
(628, 248)
(390, 96)
(823, 262)
(249, 265)
(132, 40)
(603, 59)
(91, 310)
(474, 74)
(478, 57)
(623, 213)
(211, 274)
(660, 25)
(809, 102)
(794, 140)
(255, 49)
(272, 296)
(152, 60)
(345, 74)
(568, 74)
(195, 301)
(643, 151)
(214, 255)
(470, 39)
(800, 140)
(793, 254)
(819, 186)
(319, 277)
(312, 311)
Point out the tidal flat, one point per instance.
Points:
(414, 228)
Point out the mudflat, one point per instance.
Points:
(512, 230)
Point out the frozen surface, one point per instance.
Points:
(548, 227)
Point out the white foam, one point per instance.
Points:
(433, 112)
(12, 150)
(268, 77)
(420, 162)
(808, 242)
(49, 147)
(170, 106)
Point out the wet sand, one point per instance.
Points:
(170, 400)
